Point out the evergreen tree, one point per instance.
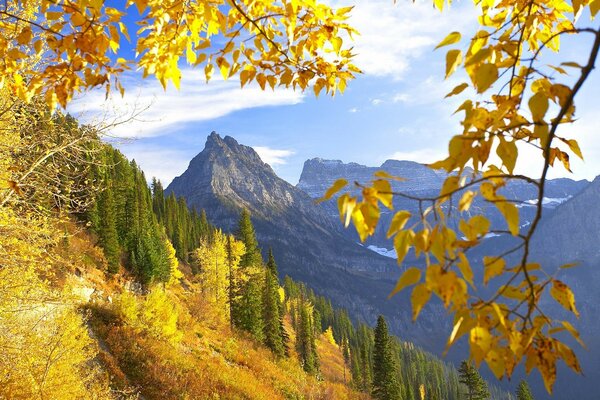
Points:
(247, 235)
(385, 370)
(251, 292)
(107, 230)
(523, 391)
(271, 314)
(251, 308)
(305, 340)
(271, 265)
(476, 387)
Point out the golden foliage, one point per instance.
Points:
(58, 48)
(45, 349)
(518, 101)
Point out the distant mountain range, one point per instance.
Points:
(311, 246)
(419, 180)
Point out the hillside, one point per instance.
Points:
(139, 296)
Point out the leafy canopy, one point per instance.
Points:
(512, 100)
(56, 48)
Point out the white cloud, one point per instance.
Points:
(353, 110)
(428, 155)
(401, 98)
(393, 35)
(273, 156)
(162, 163)
(163, 112)
(376, 102)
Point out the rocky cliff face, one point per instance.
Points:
(308, 244)
(318, 175)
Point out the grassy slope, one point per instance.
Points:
(209, 362)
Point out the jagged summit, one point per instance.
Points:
(310, 246)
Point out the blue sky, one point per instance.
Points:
(394, 110)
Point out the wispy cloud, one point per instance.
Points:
(161, 112)
(273, 156)
(392, 36)
(428, 155)
(156, 161)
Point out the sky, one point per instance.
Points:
(394, 110)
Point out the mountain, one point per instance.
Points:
(419, 180)
(308, 244)
(311, 247)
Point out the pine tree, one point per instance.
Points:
(107, 231)
(385, 370)
(252, 320)
(476, 387)
(285, 338)
(247, 235)
(305, 340)
(523, 391)
(251, 292)
(271, 315)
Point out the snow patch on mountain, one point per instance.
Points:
(383, 251)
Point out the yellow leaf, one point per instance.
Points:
(574, 146)
(495, 361)
(384, 192)
(569, 265)
(465, 268)
(346, 205)
(450, 185)
(223, 67)
(453, 60)
(480, 341)
(452, 38)
(402, 242)
(458, 89)
(511, 215)
(564, 296)
(594, 7)
(419, 297)
(384, 174)
(337, 44)
(538, 104)
(398, 221)
(508, 152)
(336, 187)
(485, 76)
(411, 276)
(573, 332)
(492, 266)
(465, 201)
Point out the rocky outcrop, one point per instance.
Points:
(309, 244)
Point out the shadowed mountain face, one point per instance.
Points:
(421, 181)
(307, 242)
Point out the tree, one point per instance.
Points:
(523, 391)
(385, 370)
(41, 61)
(107, 230)
(272, 315)
(273, 310)
(513, 99)
(305, 339)
(247, 235)
(252, 271)
(476, 386)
